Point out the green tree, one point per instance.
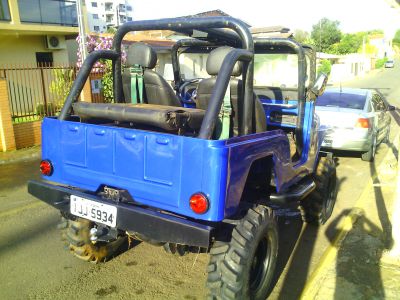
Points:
(396, 39)
(61, 84)
(349, 43)
(325, 33)
(301, 36)
(325, 67)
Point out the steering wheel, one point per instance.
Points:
(189, 95)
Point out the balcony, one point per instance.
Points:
(48, 12)
(109, 7)
(122, 8)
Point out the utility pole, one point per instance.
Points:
(82, 32)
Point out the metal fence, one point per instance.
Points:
(38, 91)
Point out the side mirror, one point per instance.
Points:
(391, 108)
(320, 85)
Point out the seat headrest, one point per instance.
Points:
(215, 59)
(141, 54)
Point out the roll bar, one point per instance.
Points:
(175, 60)
(219, 89)
(302, 75)
(82, 76)
(178, 24)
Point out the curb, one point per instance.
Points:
(313, 284)
(20, 155)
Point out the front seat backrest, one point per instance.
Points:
(156, 89)
(204, 91)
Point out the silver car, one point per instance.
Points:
(357, 120)
(389, 64)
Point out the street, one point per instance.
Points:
(35, 265)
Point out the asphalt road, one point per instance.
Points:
(34, 264)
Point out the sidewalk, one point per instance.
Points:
(353, 267)
(25, 154)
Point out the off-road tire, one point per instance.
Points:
(370, 154)
(76, 234)
(318, 206)
(232, 270)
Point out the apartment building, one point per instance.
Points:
(36, 31)
(102, 14)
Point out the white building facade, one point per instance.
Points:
(102, 14)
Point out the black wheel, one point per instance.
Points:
(244, 267)
(318, 206)
(370, 154)
(76, 233)
(386, 140)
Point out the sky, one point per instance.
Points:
(353, 15)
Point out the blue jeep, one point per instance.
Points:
(153, 167)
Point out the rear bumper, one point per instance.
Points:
(153, 224)
(351, 140)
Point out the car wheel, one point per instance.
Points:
(244, 267)
(370, 154)
(76, 234)
(318, 206)
(386, 140)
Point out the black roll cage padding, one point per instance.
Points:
(82, 76)
(219, 89)
(301, 80)
(175, 60)
(310, 52)
(202, 24)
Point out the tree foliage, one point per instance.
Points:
(324, 67)
(62, 83)
(325, 33)
(349, 43)
(396, 39)
(301, 36)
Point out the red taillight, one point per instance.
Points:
(199, 203)
(362, 123)
(46, 168)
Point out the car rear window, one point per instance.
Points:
(342, 100)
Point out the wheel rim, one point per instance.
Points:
(260, 265)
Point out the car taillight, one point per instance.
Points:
(199, 203)
(362, 123)
(46, 168)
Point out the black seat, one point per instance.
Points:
(156, 89)
(204, 90)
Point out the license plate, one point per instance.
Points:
(94, 211)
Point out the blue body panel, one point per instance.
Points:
(163, 170)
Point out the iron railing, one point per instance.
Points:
(38, 91)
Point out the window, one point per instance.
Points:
(276, 70)
(95, 16)
(44, 59)
(61, 12)
(96, 28)
(343, 100)
(94, 4)
(129, 18)
(129, 8)
(4, 11)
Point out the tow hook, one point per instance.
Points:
(101, 233)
